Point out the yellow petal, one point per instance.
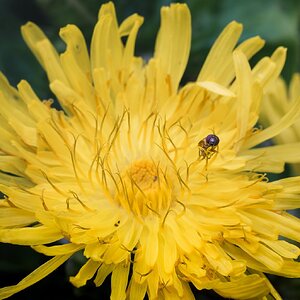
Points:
(128, 24)
(251, 286)
(187, 292)
(102, 273)
(44, 51)
(294, 90)
(262, 226)
(137, 290)
(216, 88)
(278, 57)
(268, 69)
(6, 136)
(290, 269)
(10, 216)
(287, 120)
(149, 242)
(173, 42)
(10, 96)
(130, 43)
(287, 197)
(77, 78)
(37, 275)
(8, 91)
(218, 259)
(106, 45)
(286, 153)
(108, 9)
(71, 100)
(284, 223)
(55, 141)
(86, 272)
(264, 165)
(58, 249)
(273, 292)
(32, 34)
(119, 279)
(115, 254)
(12, 164)
(284, 201)
(283, 248)
(179, 235)
(251, 46)
(30, 236)
(51, 61)
(76, 45)
(129, 234)
(244, 93)
(26, 133)
(220, 55)
(37, 109)
(264, 255)
(170, 254)
(153, 281)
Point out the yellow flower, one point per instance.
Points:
(158, 184)
(277, 101)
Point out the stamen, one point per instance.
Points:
(53, 185)
(43, 201)
(141, 189)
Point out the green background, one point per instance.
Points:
(276, 21)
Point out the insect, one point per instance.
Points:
(208, 147)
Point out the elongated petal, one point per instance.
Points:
(287, 120)
(37, 275)
(220, 55)
(10, 217)
(51, 62)
(32, 34)
(30, 236)
(294, 90)
(251, 46)
(216, 88)
(149, 243)
(106, 45)
(244, 288)
(132, 27)
(102, 273)
(78, 79)
(119, 279)
(244, 92)
(11, 164)
(137, 290)
(287, 153)
(173, 53)
(58, 249)
(86, 272)
(283, 248)
(44, 51)
(76, 45)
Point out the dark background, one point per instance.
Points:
(276, 21)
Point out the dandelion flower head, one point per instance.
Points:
(156, 183)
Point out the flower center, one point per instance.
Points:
(144, 174)
(144, 189)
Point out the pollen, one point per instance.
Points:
(144, 173)
(145, 189)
